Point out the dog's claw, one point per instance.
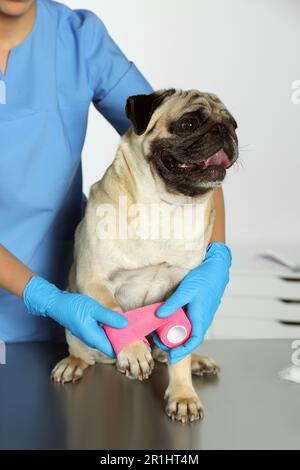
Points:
(138, 360)
(184, 409)
(69, 369)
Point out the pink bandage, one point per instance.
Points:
(172, 331)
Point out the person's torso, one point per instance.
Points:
(43, 116)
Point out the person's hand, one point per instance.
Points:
(77, 312)
(201, 290)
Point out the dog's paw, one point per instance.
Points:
(69, 369)
(135, 361)
(183, 406)
(204, 365)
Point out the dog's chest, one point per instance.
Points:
(144, 286)
(156, 269)
(156, 244)
(163, 229)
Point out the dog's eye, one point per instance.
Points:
(187, 125)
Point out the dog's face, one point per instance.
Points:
(189, 137)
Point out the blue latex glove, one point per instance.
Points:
(77, 312)
(201, 290)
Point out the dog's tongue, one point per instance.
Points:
(219, 158)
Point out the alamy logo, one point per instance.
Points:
(2, 92)
(296, 92)
(2, 353)
(152, 221)
(296, 354)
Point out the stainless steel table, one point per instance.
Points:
(247, 407)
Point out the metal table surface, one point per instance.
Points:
(247, 407)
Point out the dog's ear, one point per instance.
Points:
(140, 108)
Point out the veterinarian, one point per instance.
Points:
(53, 63)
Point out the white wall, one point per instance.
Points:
(247, 52)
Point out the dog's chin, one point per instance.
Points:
(191, 178)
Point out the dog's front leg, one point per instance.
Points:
(81, 356)
(101, 293)
(183, 403)
(135, 360)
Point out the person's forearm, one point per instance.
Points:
(218, 234)
(78, 313)
(14, 275)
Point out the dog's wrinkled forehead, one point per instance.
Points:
(159, 109)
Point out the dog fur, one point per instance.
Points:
(129, 273)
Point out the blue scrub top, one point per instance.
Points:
(68, 61)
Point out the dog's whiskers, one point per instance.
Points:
(238, 164)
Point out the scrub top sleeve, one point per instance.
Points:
(112, 76)
(112, 106)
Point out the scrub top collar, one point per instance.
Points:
(15, 50)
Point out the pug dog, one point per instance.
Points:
(178, 149)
